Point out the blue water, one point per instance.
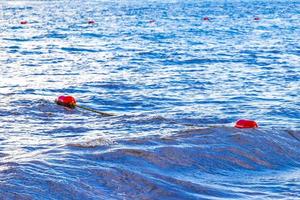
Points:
(176, 85)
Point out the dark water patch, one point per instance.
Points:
(199, 61)
(203, 121)
(68, 131)
(154, 55)
(56, 35)
(97, 35)
(294, 134)
(78, 50)
(112, 85)
(285, 111)
(14, 47)
(17, 39)
(36, 52)
(195, 190)
(70, 90)
(158, 37)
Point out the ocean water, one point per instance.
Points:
(176, 84)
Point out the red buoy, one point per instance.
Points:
(91, 22)
(206, 18)
(245, 123)
(67, 101)
(256, 18)
(70, 102)
(23, 22)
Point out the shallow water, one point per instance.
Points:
(176, 84)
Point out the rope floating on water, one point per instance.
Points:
(70, 102)
(95, 111)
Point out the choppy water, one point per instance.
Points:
(176, 83)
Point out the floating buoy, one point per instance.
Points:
(245, 123)
(70, 102)
(67, 101)
(91, 22)
(23, 22)
(256, 18)
(205, 18)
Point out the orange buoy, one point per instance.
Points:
(67, 101)
(245, 123)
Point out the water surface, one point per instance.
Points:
(177, 83)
